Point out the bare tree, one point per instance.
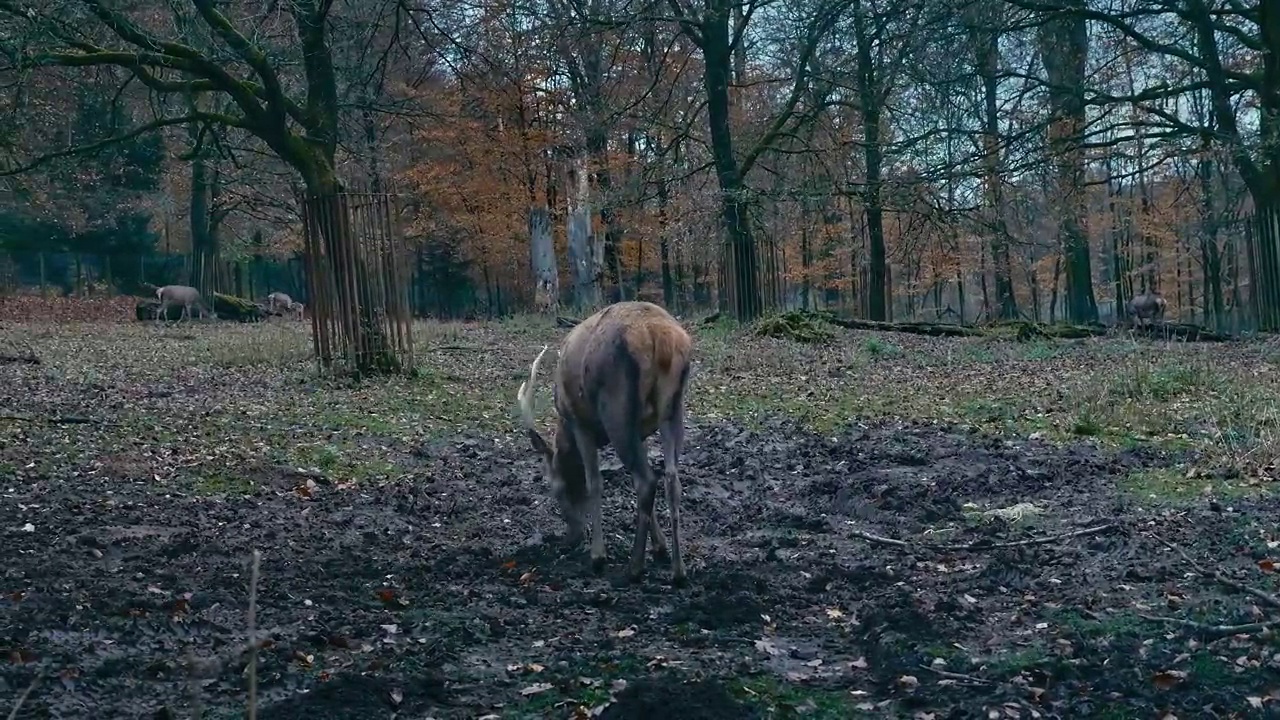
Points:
(195, 49)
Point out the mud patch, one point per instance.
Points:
(449, 595)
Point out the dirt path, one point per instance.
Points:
(447, 596)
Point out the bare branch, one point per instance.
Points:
(136, 132)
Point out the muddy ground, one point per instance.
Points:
(444, 593)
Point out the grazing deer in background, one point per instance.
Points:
(622, 375)
(183, 295)
(278, 303)
(298, 310)
(1148, 306)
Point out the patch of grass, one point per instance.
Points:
(1008, 664)
(270, 344)
(1040, 350)
(341, 463)
(782, 699)
(1175, 486)
(1107, 627)
(879, 348)
(1221, 401)
(1160, 382)
(224, 483)
(979, 354)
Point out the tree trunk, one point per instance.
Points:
(740, 254)
(984, 34)
(869, 92)
(583, 246)
(664, 246)
(1064, 47)
(546, 294)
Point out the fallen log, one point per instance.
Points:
(913, 328)
(1181, 331)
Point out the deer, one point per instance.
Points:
(278, 302)
(622, 375)
(1148, 306)
(298, 310)
(183, 295)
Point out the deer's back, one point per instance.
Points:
(629, 348)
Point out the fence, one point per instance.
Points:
(357, 280)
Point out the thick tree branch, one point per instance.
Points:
(278, 104)
(152, 126)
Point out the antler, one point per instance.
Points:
(526, 392)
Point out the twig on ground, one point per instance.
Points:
(958, 677)
(1261, 596)
(59, 420)
(879, 540)
(457, 348)
(253, 644)
(28, 359)
(1215, 631)
(25, 694)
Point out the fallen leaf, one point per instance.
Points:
(1267, 566)
(397, 696)
(535, 689)
(860, 663)
(765, 646)
(1167, 679)
(909, 682)
(389, 596)
(1256, 702)
(625, 633)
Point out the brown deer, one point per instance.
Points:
(622, 375)
(1148, 306)
(183, 295)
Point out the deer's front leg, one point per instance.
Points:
(595, 496)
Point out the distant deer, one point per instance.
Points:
(298, 310)
(278, 302)
(1148, 306)
(622, 375)
(183, 295)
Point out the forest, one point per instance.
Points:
(941, 460)
(991, 160)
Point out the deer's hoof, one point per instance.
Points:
(597, 565)
(661, 553)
